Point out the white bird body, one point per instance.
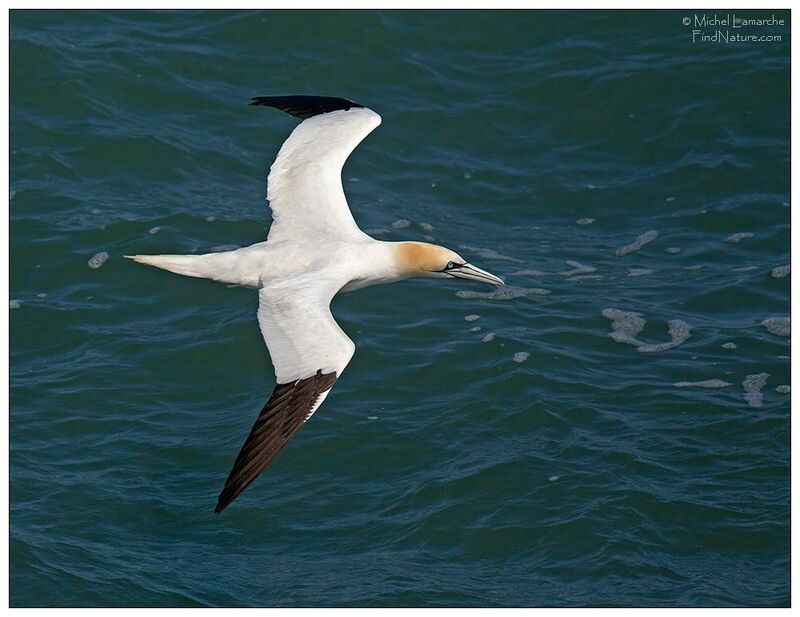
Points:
(313, 251)
(361, 262)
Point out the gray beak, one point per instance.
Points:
(470, 272)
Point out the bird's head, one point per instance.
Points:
(423, 259)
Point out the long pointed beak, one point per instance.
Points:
(468, 271)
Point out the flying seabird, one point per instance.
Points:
(313, 251)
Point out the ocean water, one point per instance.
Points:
(612, 430)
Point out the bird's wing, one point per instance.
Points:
(304, 187)
(309, 351)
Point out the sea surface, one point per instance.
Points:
(611, 428)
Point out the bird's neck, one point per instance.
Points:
(381, 262)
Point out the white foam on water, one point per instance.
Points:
(488, 338)
(586, 277)
(42, 295)
(673, 250)
(586, 221)
(669, 199)
(503, 293)
(529, 273)
(780, 326)
(476, 329)
(678, 330)
(490, 254)
(98, 260)
(153, 230)
(372, 417)
(577, 268)
(639, 271)
(95, 211)
(752, 385)
(401, 224)
(376, 232)
(467, 175)
(783, 389)
(708, 383)
(738, 237)
(626, 325)
(591, 187)
(521, 356)
(729, 345)
(744, 268)
(646, 238)
(781, 271)
(426, 226)
(553, 479)
(211, 219)
(694, 267)
(428, 238)
(472, 318)
(14, 304)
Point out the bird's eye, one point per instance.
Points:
(450, 265)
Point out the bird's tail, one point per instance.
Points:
(188, 265)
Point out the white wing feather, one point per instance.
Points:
(301, 334)
(304, 187)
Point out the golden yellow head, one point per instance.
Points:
(423, 259)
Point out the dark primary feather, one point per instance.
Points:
(305, 106)
(283, 415)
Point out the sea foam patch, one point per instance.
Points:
(98, 260)
(708, 383)
(779, 326)
(781, 271)
(646, 238)
(753, 384)
(626, 325)
(577, 269)
(529, 273)
(738, 237)
(507, 292)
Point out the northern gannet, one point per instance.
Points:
(313, 251)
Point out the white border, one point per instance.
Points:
(356, 4)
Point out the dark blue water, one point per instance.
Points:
(527, 457)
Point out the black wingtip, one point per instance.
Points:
(305, 106)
